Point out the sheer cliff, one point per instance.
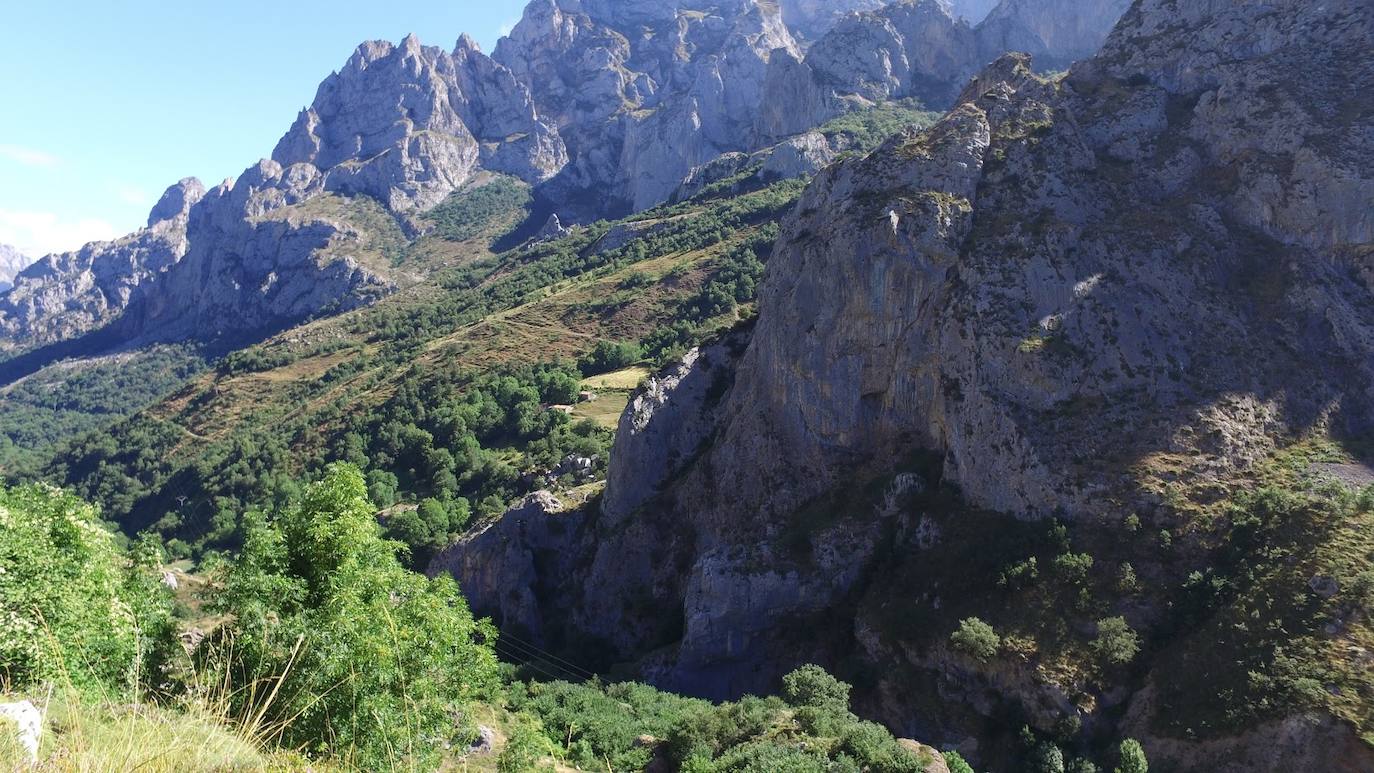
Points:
(1118, 302)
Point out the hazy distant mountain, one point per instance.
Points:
(12, 261)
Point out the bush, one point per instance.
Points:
(813, 686)
(334, 646)
(1132, 758)
(1361, 591)
(976, 639)
(525, 748)
(1116, 643)
(607, 356)
(956, 763)
(73, 605)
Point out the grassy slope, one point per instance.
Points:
(477, 311)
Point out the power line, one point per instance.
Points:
(548, 655)
(527, 663)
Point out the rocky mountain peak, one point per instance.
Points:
(409, 124)
(467, 45)
(177, 201)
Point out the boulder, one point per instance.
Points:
(27, 722)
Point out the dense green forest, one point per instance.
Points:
(38, 413)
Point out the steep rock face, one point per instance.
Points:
(1055, 32)
(11, 263)
(665, 424)
(410, 124)
(643, 92)
(65, 295)
(922, 49)
(502, 563)
(260, 257)
(907, 49)
(1059, 280)
(928, 316)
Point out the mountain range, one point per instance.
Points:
(1011, 360)
(605, 108)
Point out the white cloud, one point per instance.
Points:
(505, 29)
(28, 156)
(41, 233)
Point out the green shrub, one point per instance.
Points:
(334, 646)
(1116, 643)
(1132, 758)
(976, 639)
(474, 211)
(525, 748)
(813, 686)
(874, 748)
(73, 605)
(956, 763)
(1361, 590)
(607, 356)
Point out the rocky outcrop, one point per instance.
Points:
(1166, 252)
(11, 263)
(643, 92)
(410, 124)
(502, 562)
(1300, 742)
(665, 424)
(63, 296)
(800, 156)
(264, 254)
(922, 49)
(27, 730)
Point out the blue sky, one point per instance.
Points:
(104, 104)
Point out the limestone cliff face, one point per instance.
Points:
(906, 305)
(410, 124)
(643, 91)
(923, 49)
(1166, 252)
(262, 254)
(65, 295)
